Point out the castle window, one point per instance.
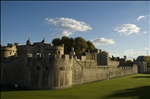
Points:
(38, 55)
(38, 68)
(46, 68)
(58, 52)
(62, 68)
(29, 59)
(27, 68)
(10, 53)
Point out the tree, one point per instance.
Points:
(90, 45)
(57, 42)
(147, 58)
(79, 45)
(68, 42)
(128, 63)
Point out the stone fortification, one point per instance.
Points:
(44, 66)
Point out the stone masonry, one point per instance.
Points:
(44, 66)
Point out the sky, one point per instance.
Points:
(118, 27)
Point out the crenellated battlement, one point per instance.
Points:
(44, 66)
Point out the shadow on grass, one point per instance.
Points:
(5, 88)
(141, 77)
(142, 92)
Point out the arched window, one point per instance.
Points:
(58, 52)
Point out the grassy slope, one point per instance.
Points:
(129, 87)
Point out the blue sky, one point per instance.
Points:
(119, 27)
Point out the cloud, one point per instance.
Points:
(146, 48)
(113, 54)
(102, 41)
(130, 52)
(65, 33)
(133, 53)
(140, 17)
(142, 33)
(127, 29)
(67, 26)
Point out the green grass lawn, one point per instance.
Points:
(129, 87)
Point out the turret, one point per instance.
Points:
(72, 53)
(8, 51)
(28, 42)
(62, 65)
(43, 41)
(103, 58)
(125, 57)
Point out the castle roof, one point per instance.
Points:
(140, 58)
(28, 42)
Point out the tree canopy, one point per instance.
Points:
(128, 63)
(147, 58)
(90, 45)
(57, 42)
(78, 43)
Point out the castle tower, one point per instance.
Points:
(62, 71)
(103, 58)
(28, 42)
(72, 53)
(43, 41)
(8, 51)
(125, 57)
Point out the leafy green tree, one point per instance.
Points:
(79, 45)
(147, 58)
(90, 45)
(57, 42)
(128, 63)
(68, 42)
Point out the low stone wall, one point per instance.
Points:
(82, 74)
(113, 63)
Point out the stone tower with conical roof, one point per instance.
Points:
(28, 42)
(43, 41)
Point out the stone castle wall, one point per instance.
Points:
(113, 63)
(12, 73)
(96, 73)
(58, 71)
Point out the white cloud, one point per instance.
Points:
(133, 53)
(67, 26)
(127, 29)
(113, 54)
(144, 32)
(102, 41)
(65, 33)
(130, 52)
(140, 17)
(146, 48)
